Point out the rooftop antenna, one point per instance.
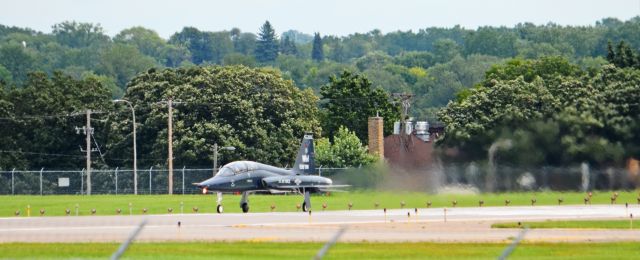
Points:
(405, 99)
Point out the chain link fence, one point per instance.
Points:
(477, 176)
(509, 178)
(104, 181)
(481, 177)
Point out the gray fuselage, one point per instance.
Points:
(242, 176)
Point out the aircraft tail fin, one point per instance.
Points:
(305, 161)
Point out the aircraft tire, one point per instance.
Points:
(305, 208)
(219, 209)
(245, 207)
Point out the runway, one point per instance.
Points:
(398, 225)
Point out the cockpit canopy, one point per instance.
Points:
(235, 168)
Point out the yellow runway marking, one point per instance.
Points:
(262, 239)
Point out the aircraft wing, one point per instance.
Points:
(322, 188)
(312, 186)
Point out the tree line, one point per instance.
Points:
(553, 111)
(433, 63)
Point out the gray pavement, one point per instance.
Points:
(462, 225)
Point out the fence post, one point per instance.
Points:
(41, 180)
(183, 167)
(150, 169)
(12, 182)
(320, 171)
(82, 182)
(116, 180)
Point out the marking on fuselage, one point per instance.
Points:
(284, 181)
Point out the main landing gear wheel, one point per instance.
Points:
(305, 207)
(219, 208)
(245, 207)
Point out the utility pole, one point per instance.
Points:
(88, 150)
(215, 158)
(88, 131)
(170, 137)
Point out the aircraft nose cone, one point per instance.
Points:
(214, 183)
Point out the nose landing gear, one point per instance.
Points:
(219, 208)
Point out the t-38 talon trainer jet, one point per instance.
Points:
(247, 177)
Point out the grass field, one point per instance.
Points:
(598, 224)
(55, 205)
(253, 250)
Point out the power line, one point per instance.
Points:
(47, 154)
(47, 116)
(73, 155)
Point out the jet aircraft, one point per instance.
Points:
(248, 177)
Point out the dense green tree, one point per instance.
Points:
(350, 100)
(18, 60)
(245, 43)
(288, 47)
(79, 35)
(389, 79)
(336, 51)
(491, 41)
(296, 69)
(357, 45)
(40, 128)
(317, 53)
(579, 117)
(221, 46)
(623, 56)
(200, 44)
(255, 110)
(298, 37)
(6, 79)
(421, 59)
(239, 59)
(376, 59)
(443, 81)
(6, 30)
(345, 151)
(267, 45)
(174, 56)
(123, 62)
(444, 50)
(319, 74)
(147, 41)
(548, 68)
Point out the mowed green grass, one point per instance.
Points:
(55, 205)
(598, 224)
(363, 250)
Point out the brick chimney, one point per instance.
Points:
(376, 137)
